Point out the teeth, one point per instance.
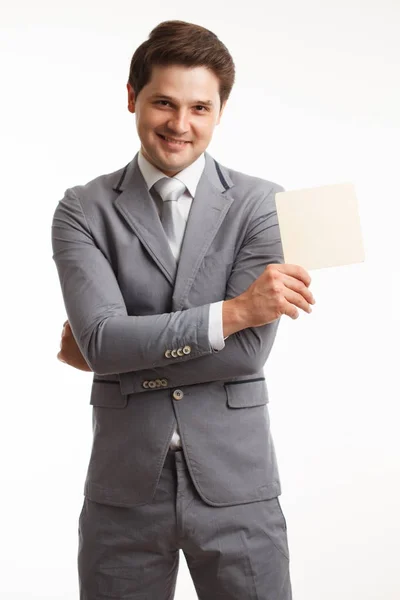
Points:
(174, 141)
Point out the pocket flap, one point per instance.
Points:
(247, 393)
(107, 393)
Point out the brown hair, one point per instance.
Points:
(181, 43)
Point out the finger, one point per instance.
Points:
(289, 309)
(66, 332)
(295, 271)
(61, 359)
(297, 300)
(299, 287)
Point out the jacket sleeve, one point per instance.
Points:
(246, 351)
(110, 340)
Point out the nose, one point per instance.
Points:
(179, 123)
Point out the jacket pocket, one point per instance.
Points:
(107, 393)
(246, 393)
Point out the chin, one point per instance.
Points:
(174, 163)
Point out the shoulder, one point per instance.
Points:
(245, 183)
(97, 185)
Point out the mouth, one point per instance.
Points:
(173, 141)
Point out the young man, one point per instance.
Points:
(172, 277)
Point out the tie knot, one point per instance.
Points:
(170, 188)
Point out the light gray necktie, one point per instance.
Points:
(170, 190)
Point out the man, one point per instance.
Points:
(172, 278)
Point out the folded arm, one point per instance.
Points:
(247, 350)
(98, 316)
(110, 340)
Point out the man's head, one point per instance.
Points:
(179, 82)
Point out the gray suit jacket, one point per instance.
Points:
(141, 323)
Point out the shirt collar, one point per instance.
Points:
(189, 176)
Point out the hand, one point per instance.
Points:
(278, 290)
(70, 352)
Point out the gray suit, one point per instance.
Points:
(142, 325)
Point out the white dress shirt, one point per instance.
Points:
(190, 177)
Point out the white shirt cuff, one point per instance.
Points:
(215, 326)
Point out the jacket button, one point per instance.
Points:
(177, 394)
(167, 354)
(145, 384)
(173, 353)
(164, 382)
(187, 350)
(179, 352)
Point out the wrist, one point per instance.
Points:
(234, 315)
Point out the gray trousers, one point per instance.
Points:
(232, 552)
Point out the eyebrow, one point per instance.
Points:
(164, 97)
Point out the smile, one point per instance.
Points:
(173, 141)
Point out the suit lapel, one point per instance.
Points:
(207, 212)
(137, 207)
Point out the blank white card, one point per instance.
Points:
(320, 227)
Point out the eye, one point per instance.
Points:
(202, 107)
(162, 101)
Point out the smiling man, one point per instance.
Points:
(176, 113)
(172, 278)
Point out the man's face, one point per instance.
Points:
(181, 104)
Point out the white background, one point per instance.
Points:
(316, 101)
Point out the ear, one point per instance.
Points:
(131, 98)
(220, 112)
